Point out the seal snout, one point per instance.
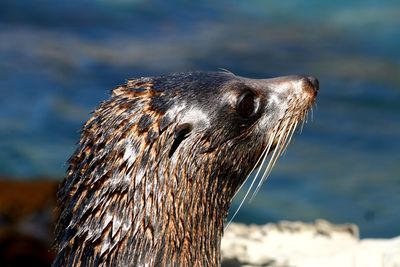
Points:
(314, 81)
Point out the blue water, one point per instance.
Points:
(59, 59)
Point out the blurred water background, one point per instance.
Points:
(59, 59)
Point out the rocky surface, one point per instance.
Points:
(300, 244)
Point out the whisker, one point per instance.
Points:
(302, 126)
(263, 163)
(271, 162)
(254, 167)
(292, 130)
(312, 113)
(263, 156)
(303, 116)
(281, 147)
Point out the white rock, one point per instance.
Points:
(306, 245)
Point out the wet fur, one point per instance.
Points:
(138, 192)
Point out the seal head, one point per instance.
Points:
(158, 164)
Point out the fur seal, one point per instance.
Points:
(158, 164)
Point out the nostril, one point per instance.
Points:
(314, 81)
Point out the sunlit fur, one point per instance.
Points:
(139, 194)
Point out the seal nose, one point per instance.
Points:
(314, 81)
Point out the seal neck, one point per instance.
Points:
(188, 225)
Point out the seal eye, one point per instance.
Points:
(247, 104)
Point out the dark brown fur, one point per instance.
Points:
(157, 166)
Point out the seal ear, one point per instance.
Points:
(181, 133)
